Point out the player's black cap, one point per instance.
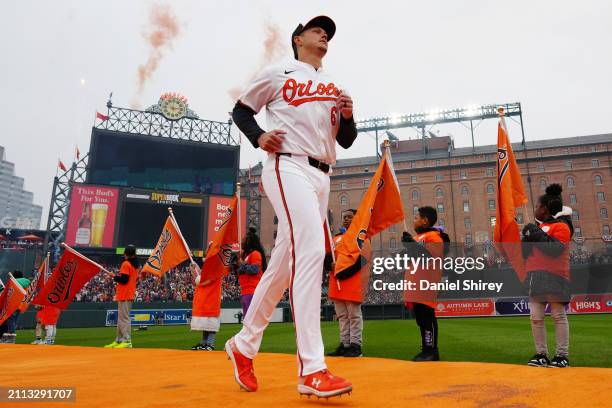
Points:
(324, 22)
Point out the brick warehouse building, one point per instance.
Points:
(460, 183)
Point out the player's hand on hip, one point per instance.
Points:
(344, 103)
(272, 141)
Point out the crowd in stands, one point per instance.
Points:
(177, 284)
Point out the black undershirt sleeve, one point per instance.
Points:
(347, 132)
(244, 118)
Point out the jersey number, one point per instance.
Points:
(334, 115)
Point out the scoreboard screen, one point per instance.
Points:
(151, 162)
(143, 214)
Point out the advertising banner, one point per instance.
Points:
(216, 212)
(180, 316)
(512, 306)
(476, 307)
(600, 303)
(91, 219)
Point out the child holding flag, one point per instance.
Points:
(348, 293)
(49, 316)
(252, 264)
(546, 249)
(429, 242)
(124, 295)
(206, 309)
(7, 329)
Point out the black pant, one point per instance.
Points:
(428, 323)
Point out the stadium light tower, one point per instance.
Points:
(436, 116)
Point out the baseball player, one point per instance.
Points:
(307, 114)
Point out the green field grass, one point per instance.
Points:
(499, 340)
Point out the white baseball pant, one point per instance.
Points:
(299, 194)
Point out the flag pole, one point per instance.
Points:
(331, 240)
(181, 234)
(47, 267)
(239, 217)
(387, 145)
(69, 249)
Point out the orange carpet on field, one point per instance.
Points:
(175, 378)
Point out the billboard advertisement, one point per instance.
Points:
(143, 213)
(147, 317)
(477, 307)
(216, 211)
(598, 303)
(91, 219)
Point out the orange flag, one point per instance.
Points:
(61, 165)
(380, 208)
(71, 273)
(170, 251)
(218, 257)
(11, 298)
(510, 195)
(36, 285)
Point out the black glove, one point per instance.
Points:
(328, 262)
(122, 278)
(529, 230)
(406, 237)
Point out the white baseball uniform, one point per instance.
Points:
(301, 101)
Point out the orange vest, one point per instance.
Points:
(353, 288)
(48, 315)
(207, 300)
(436, 249)
(558, 265)
(127, 291)
(248, 283)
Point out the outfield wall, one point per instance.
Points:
(591, 283)
(101, 314)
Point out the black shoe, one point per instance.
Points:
(353, 350)
(559, 362)
(199, 347)
(539, 360)
(339, 352)
(209, 347)
(427, 355)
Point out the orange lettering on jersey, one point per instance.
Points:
(303, 92)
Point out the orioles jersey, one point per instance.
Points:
(300, 100)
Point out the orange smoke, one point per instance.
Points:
(163, 28)
(274, 48)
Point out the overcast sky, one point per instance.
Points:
(59, 60)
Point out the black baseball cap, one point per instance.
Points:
(324, 22)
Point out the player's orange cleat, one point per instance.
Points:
(243, 367)
(324, 385)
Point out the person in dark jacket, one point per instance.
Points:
(546, 249)
(428, 242)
